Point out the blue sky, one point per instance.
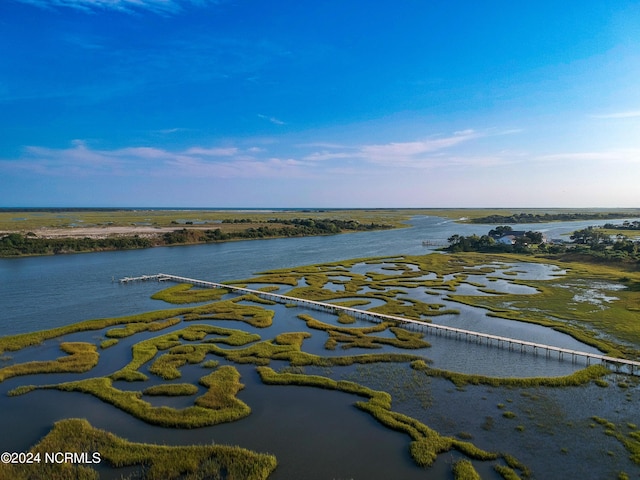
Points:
(410, 103)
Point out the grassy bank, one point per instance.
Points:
(17, 342)
(166, 366)
(81, 357)
(581, 377)
(152, 462)
(229, 310)
(218, 405)
(362, 338)
(185, 293)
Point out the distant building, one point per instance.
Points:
(507, 240)
(513, 235)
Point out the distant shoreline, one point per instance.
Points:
(56, 241)
(51, 231)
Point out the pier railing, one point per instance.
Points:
(632, 367)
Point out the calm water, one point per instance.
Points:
(44, 292)
(332, 438)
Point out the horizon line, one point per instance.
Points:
(317, 208)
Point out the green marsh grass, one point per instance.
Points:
(171, 389)
(167, 366)
(628, 436)
(137, 327)
(580, 377)
(318, 325)
(154, 462)
(254, 315)
(290, 279)
(345, 318)
(81, 357)
(250, 297)
(353, 303)
(31, 220)
(506, 472)
(179, 355)
(360, 338)
(204, 413)
(20, 341)
(463, 470)
(287, 347)
(404, 339)
(414, 310)
(21, 390)
(223, 384)
(185, 293)
(108, 343)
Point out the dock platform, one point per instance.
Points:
(620, 365)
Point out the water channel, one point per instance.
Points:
(331, 438)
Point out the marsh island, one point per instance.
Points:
(209, 359)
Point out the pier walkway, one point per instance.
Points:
(631, 366)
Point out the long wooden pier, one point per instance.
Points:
(632, 367)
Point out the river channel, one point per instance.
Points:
(332, 440)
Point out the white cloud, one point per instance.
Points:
(139, 152)
(437, 152)
(78, 161)
(432, 152)
(81, 161)
(481, 161)
(411, 153)
(416, 154)
(273, 120)
(325, 155)
(241, 167)
(212, 152)
(169, 131)
(322, 145)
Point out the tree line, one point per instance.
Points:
(292, 228)
(489, 243)
(626, 225)
(590, 241)
(546, 217)
(597, 240)
(16, 244)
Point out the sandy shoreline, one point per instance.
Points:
(101, 232)
(104, 232)
(130, 230)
